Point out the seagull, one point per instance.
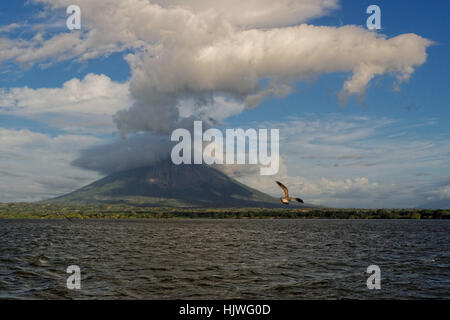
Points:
(286, 198)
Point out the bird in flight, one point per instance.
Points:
(286, 198)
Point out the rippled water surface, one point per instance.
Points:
(207, 259)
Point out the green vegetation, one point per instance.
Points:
(119, 211)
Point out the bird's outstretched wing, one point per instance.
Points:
(299, 200)
(282, 186)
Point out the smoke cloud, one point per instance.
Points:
(136, 151)
(198, 52)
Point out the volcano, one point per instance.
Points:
(169, 185)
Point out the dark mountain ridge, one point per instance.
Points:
(166, 184)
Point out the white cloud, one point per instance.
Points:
(190, 51)
(86, 105)
(9, 27)
(259, 13)
(440, 193)
(35, 166)
(353, 161)
(234, 64)
(357, 191)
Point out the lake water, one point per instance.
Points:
(213, 259)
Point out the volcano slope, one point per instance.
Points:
(169, 185)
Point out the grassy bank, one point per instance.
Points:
(53, 211)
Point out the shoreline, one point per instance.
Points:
(120, 211)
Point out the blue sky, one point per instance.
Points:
(380, 120)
